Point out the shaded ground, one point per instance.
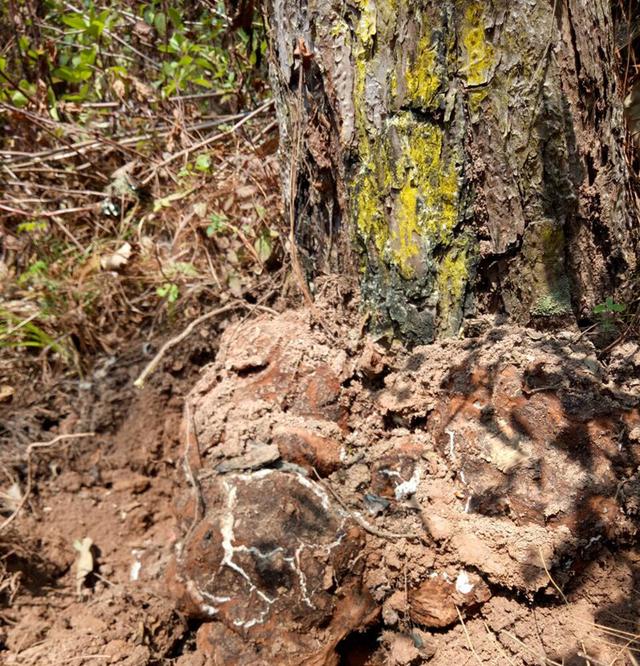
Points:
(116, 488)
(541, 470)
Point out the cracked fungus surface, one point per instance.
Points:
(267, 542)
(476, 457)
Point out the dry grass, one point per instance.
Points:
(204, 231)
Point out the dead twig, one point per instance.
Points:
(153, 364)
(303, 54)
(207, 142)
(192, 439)
(30, 449)
(49, 213)
(550, 577)
(466, 633)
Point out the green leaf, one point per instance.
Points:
(263, 247)
(29, 227)
(175, 42)
(218, 222)
(95, 28)
(71, 74)
(160, 23)
(18, 98)
(199, 81)
(175, 18)
(203, 162)
(80, 96)
(170, 291)
(76, 21)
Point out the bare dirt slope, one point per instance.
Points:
(116, 488)
(321, 499)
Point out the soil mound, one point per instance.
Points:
(333, 488)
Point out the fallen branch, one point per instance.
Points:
(88, 145)
(48, 213)
(30, 449)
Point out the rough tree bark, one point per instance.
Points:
(463, 157)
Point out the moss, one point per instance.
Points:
(552, 304)
(544, 251)
(423, 82)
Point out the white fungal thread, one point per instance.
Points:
(452, 444)
(408, 488)
(209, 603)
(463, 584)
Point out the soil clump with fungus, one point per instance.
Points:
(319, 498)
(334, 488)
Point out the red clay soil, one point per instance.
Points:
(316, 499)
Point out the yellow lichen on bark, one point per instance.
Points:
(478, 56)
(406, 236)
(422, 186)
(366, 27)
(423, 83)
(453, 275)
(369, 215)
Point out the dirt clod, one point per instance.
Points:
(505, 452)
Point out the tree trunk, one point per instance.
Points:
(463, 157)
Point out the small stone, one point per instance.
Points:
(402, 650)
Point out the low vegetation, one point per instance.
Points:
(138, 177)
